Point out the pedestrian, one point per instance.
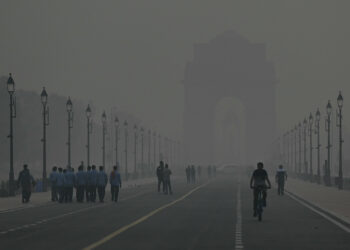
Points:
(166, 179)
(69, 181)
(53, 183)
(25, 180)
(60, 185)
(102, 180)
(209, 172)
(199, 170)
(160, 170)
(281, 177)
(80, 183)
(116, 183)
(193, 174)
(87, 189)
(93, 183)
(188, 174)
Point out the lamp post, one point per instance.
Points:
(142, 137)
(311, 121)
(11, 91)
(305, 149)
(69, 106)
(328, 130)
(149, 150)
(135, 150)
(287, 149)
(295, 149)
(299, 170)
(44, 98)
(160, 147)
(340, 119)
(154, 148)
(291, 133)
(317, 131)
(116, 123)
(104, 122)
(126, 149)
(89, 131)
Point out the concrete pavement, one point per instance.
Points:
(214, 215)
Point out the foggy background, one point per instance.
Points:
(132, 54)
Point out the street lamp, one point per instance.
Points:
(69, 106)
(149, 150)
(142, 163)
(295, 149)
(135, 150)
(89, 131)
(116, 123)
(311, 121)
(305, 161)
(328, 130)
(126, 149)
(299, 148)
(11, 91)
(317, 131)
(104, 123)
(339, 124)
(154, 148)
(160, 147)
(291, 149)
(44, 98)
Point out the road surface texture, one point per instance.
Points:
(212, 214)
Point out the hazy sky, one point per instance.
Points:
(132, 54)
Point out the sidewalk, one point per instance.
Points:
(330, 199)
(44, 198)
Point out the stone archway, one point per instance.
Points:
(228, 66)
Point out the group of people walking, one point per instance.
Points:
(163, 174)
(191, 173)
(87, 183)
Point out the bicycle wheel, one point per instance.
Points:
(260, 215)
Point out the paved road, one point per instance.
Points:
(209, 215)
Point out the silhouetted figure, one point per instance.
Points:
(25, 180)
(257, 182)
(160, 170)
(60, 185)
(209, 172)
(281, 177)
(53, 183)
(101, 184)
(188, 174)
(199, 170)
(193, 174)
(80, 183)
(166, 179)
(69, 181)
(93, 183)
(88, 184)
(116, 183)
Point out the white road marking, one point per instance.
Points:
(238, 233)
(66, 214)
(345, 228)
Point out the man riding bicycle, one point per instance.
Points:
(258, 182)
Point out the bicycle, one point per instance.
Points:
(260, 203)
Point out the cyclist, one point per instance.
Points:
(281, 177)
(258, 181)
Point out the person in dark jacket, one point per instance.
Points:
(193, 174)
(25, 180)
(188, 174)
(160, 170)
(87, 189)
(166, 179)
(102, 180)
(116, 183)
(53, 182)
(92, 179)
(80, 178)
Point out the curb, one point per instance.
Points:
(321, 210)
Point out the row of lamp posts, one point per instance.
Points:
(69, 108)
(291, 149)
